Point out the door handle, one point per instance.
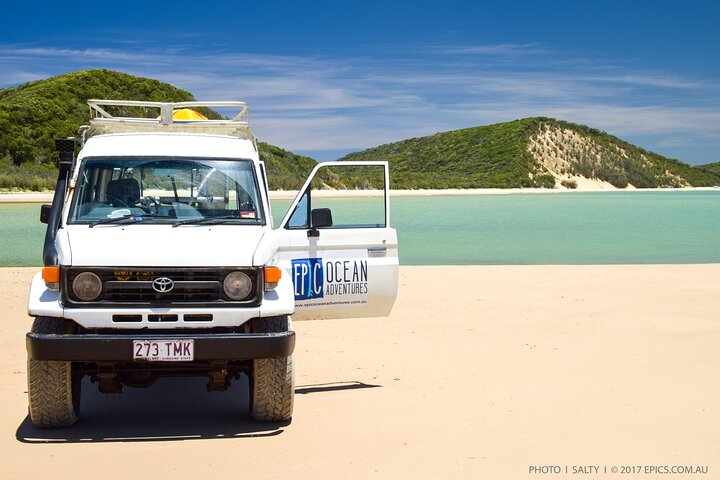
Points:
(377, 250)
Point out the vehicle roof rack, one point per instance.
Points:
(102, 122)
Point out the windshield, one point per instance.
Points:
(166, 190)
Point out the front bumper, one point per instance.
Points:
(118, 348)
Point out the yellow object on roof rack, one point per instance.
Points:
(187, 114)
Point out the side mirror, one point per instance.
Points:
(45, 213)
(319, 218)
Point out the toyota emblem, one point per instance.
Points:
(163, 284)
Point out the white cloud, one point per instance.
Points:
(503, 50)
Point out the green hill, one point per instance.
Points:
(286, 170)
(532, 152)
(32, 115)
(713, 168)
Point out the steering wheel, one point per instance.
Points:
(116, 201)
(149, 201)
(147, 204)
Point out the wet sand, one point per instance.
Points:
(480, 372)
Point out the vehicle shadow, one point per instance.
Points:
(171, 409)
(332, 387)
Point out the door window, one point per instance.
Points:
(354, 194)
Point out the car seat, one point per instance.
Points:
(123, 192)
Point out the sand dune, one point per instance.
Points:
(480, 372)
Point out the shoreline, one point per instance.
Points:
(46, 197)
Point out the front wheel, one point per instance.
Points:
(272, 383)
(53, 387)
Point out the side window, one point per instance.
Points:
(354, 194)
(301, 215)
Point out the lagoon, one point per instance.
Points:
(543, 228)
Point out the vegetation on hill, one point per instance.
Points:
(34, 114)
(285, 170)
(532, 152)
(713, 168)
(492, 156)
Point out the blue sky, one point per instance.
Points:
(327, 77)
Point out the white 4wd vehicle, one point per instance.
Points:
(161, 259)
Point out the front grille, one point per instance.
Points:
(134, 287)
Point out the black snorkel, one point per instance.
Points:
(52, 214)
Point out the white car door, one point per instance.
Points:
(348, 268)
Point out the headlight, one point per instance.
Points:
(237, 285)
(87, 286)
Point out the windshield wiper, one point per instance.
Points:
(193, 221)
(136, 217)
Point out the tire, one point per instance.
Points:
(272, 383)
(53, 388)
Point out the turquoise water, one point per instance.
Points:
(21, 235)
(568, 228)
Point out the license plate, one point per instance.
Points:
(164, 350)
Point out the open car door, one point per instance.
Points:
(337, 245)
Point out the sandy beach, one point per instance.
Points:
(480, 372)
(46, 197)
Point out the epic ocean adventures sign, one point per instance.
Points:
(335, 281)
